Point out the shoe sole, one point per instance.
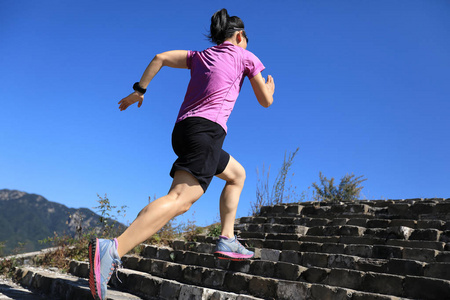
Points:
(92, 266)
(225, 255)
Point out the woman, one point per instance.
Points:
(217, 75)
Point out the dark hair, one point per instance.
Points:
(223, 26)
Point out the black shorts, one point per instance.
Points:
(198, 144)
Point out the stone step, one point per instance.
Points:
(237, 282)
(362, 222)
(360, 246)
(61, 286)
(149, 286)
(399, 266)
(10, 290)
(413, 209)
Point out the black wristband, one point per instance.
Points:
(138, 88)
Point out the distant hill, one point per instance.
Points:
(28, 218)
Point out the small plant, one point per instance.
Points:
(348, 190)
(277, 194)
(107, 219)
(215, 230)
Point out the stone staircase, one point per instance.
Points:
(364, 250)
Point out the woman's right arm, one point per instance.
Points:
(263, 90)
(173, 59)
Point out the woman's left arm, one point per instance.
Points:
(173, 59)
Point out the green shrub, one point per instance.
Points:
(348, 190)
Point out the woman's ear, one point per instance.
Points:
(239, 37)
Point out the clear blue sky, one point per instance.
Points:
(361, 87)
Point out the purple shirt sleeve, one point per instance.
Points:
(252, 64)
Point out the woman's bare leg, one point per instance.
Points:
(185, 190)
(234, 175)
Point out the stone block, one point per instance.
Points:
(443, 256)
(290, 256)
(207, 261)
(403, 222)
(190, 258)
(237, 282)
(371, 296)
(339, 222)
(356, 240)
(425, 235)
(387, 252)
(383, 284)
(256, 228)
(370, 265)
(333, 248)
(342, 261)
(293, 290)
(206, 248)
(273, 244)
(288, 271)
(291, 245)
(270, 254)
(213, 278)
(345, 278)
(315, 275)
(174, 271)
(359, 250)
(325, 292)
(351, 231)
(405, 267)
(320, 239)
(399, 232)
(170, 290)
(191, 292)
(311, 259)
(357, 222)
(149, 251)
(240, 266)
(426, 288)
(193, 275)
(417, 244)
(316, 231)
(312, 222)
(439, 270)
(263, 287)
(378, 223)
(294, 209)
(425, 255)
(178, 245)
(426, 224)
(309, 247)
(400, 209)
(419, 208)
(262, 268)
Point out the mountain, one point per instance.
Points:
(28, 218)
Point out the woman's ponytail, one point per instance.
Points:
(222, 26)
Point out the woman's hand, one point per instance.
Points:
(131, 99)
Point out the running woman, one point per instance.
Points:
(217, 75)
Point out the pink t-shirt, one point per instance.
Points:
(217, 75)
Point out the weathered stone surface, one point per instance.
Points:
(315, 275)
(425, 255)
(333, 248)
(293, 290)
(378, 223)
(426, 288)
(342, 261)
(314, 260)
(383, 284)
(438, 270)
(290, 256)
(425, 235)
(325, 292)
(359, 250)
(405, 267)
(346, 278)
(399, 232)
(263, 287)
(263, 268)
(270, 254)
(387, 252)
(288, 271)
